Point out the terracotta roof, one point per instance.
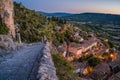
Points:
(86, 43)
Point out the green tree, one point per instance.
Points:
(64, 68)
(4, 29)
(93, 61)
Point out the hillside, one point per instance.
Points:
(34, 27)
(103, 25)
(95, 18)
(29, 23)
(57, 14)
(6, 17)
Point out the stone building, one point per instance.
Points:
(7, 15)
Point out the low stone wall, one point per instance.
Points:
(46, 70)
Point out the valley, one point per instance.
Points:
(58, 45)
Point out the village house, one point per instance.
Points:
(77, 36)
(101, 71)
(80, 49)
(115, 69)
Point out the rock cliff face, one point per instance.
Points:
(6, 15)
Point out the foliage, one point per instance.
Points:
(85, 58)
(33, 26)
(108, 44)
(57, 20)
(105, 54)
(100, 24)
(4, 29)
(60, 37)
(94, 18)
(29, 23)
(93, 61)
(76, 41)
(64, 69)
(69, 33)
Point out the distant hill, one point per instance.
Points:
(103, 25)
(94, 18)
(57, 14)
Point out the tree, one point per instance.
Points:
(69, 32)
(93, 61)
(4, 29)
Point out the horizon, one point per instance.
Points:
(73, 7)
(79, 13)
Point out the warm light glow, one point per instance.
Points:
(88, 70)
(114, 56)
(111, 55)
(70, 59)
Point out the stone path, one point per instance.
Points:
(22, 65)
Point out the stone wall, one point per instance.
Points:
(7, 15)
(46, 70)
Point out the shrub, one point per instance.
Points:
(64, 69)
(93, 61)
(85, 58)
(105, 54)
(3, 29)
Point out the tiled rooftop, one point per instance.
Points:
(85, 43)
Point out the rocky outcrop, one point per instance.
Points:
(6, 42)
(46, 71)
(6, 15)
(7, 45)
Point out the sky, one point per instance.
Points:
(73, 6)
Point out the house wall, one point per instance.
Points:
(79, 53)
(89, 47)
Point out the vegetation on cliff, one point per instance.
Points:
(3, 29)
(34, 26)
(29, 23)
(64, 68)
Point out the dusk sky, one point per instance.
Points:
(73, 6)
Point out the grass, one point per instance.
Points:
(64, 68)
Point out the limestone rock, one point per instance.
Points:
(7, 43)
(6, 15)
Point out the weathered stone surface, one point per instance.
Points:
(23, 65)
(46, 70)
(6, 15)
(7, 43)
(29, 62)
